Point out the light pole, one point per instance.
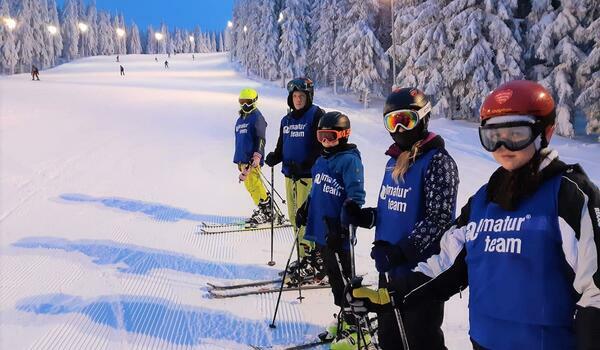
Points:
(393, 46)
(83, 28)
(229, 39)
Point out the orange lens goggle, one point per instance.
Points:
(332, 135)
(406, 119)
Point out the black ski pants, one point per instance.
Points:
(422, 324)
(336, 279)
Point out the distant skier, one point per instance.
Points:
(122, 70)
(250, 129)
(193, 58)
(156, 59)
(166, 64)
(35, 73)
(117, 58)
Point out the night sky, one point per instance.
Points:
(211, 15)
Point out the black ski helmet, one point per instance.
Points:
(300, 84)
(335, 121)
(408, 98)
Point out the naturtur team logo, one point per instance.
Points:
(498, 244)
(330, 184)
(295, 130)
(241, 128)
(395, 195)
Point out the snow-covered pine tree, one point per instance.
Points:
(120, 41)
(134, 44)
(485, 53)
(90, 44)
(24, 35)
(197, 40)
(70, 30)
(589, 72)
(9, 55)
(321, 56)
(558, 50)
(421, 45)
(161, 45)
(221, 42)
(106, 41)
(367, 59)
(213, 42)
(293, 43)
(150, 41)
(268, 35)
(341, 67)
(56, 40)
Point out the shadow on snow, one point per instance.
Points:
(140, 260)
(155, 211)
(169, 322)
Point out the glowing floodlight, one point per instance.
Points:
(191, 39)
(10, 23)
(245, 29)
(158, 36)
(280, 19)
(229, 24)
(52, 29)
(82, 27)
(120, 32)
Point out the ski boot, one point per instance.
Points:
(331, 331)
(348, 340)
(262, 214)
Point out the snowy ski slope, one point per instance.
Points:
(105, 179)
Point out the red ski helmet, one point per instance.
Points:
(521, 97)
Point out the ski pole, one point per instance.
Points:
(352, 230)
(385, 277)
(272, 325)
(297, 231)
(347, 284)
(272, 262)
(271, 185)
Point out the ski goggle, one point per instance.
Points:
(332, 135)
(406, 119)
(514, 136)
(247, 105)
(304, 85)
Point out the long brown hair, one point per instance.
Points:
(404, 161)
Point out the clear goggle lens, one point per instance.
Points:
(513, 136)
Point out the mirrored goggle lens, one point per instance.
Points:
(514, 138)
(245, 101)
(406, 119)
(329, 135)
(299, 85)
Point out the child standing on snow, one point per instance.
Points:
(337, 177)
(527, 243)
(416, 205)
(250, 129)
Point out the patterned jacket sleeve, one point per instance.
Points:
(440, 190)
(579, 222)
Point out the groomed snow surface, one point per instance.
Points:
(105, 179)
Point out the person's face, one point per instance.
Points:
(513, 160)
(299, 99)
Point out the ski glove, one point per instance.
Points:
(362, 300)
(353, 214)
(244, 173)
(256, 157)
(302, 213)
(386, 255)
(273, 159)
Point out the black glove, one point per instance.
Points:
(272, 159)
(302, 214)
(350, 214)
(362, 300)
(386, 255)
(335, 234)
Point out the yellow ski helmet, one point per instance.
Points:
(247, 100)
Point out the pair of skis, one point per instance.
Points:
(261, 287)
(211, 228)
